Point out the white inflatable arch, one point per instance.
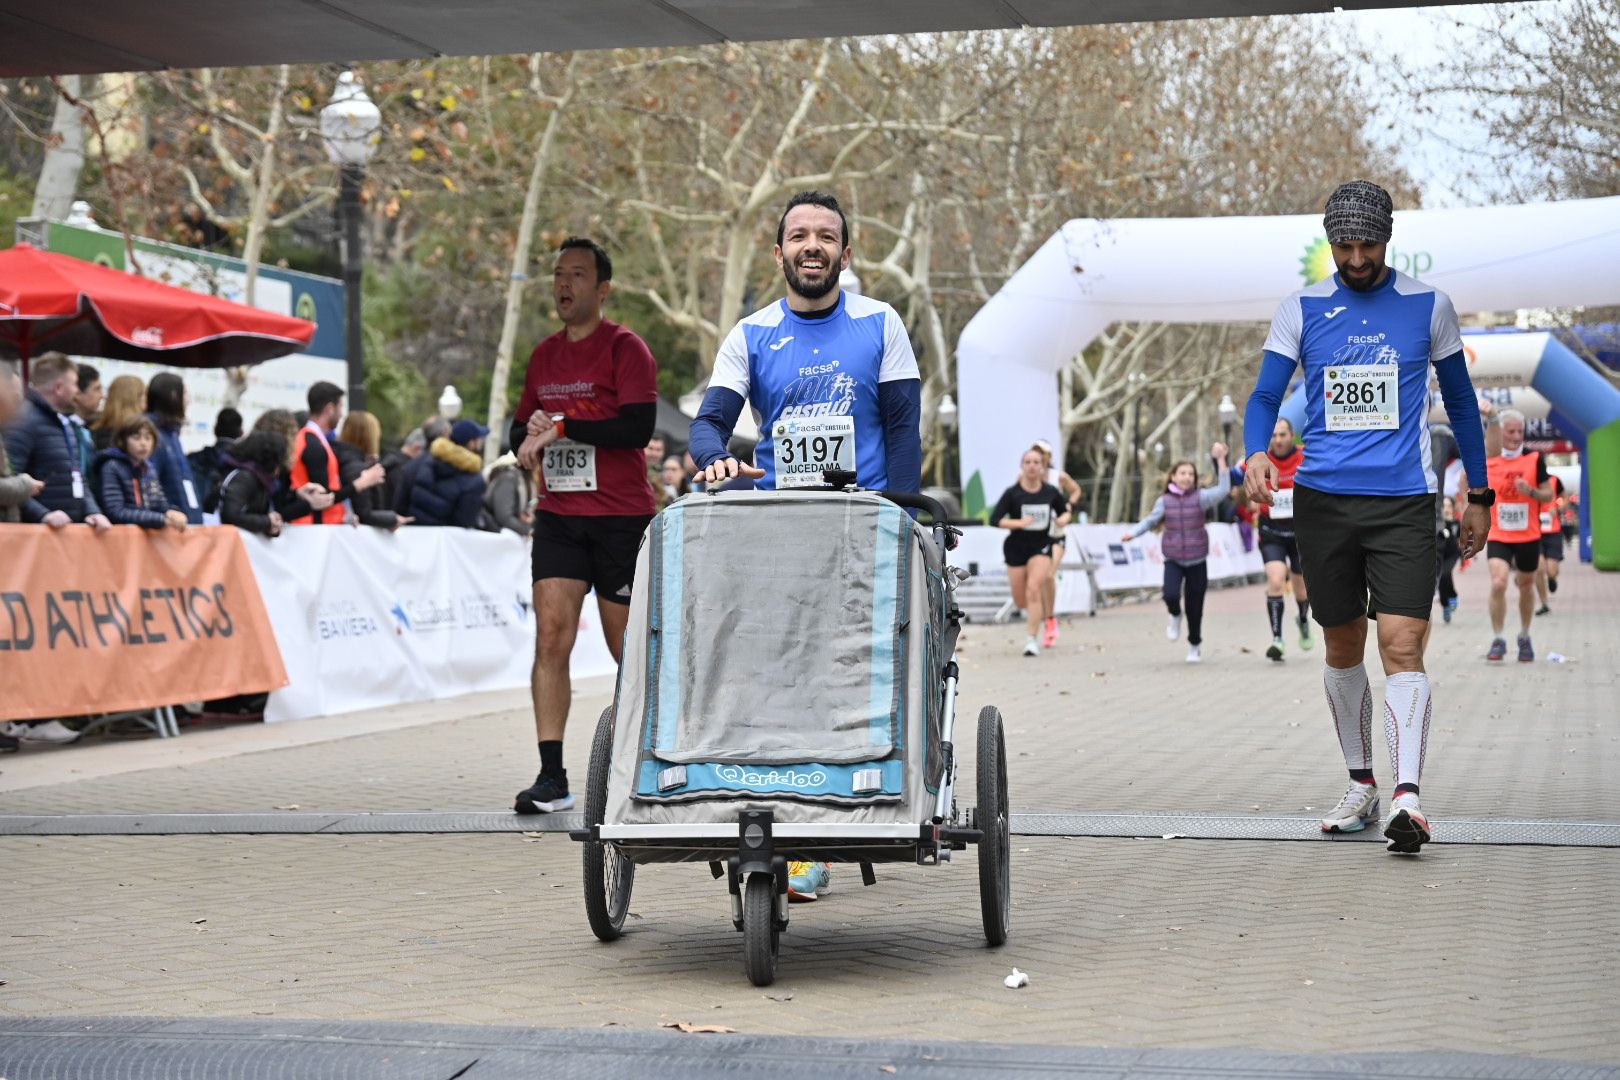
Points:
(1093, 273)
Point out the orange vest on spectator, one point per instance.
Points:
(332, 515)
(1514, 517)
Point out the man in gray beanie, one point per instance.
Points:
(1364, 497)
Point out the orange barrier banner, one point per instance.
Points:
(132, 619)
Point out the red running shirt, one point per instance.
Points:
(591, 380)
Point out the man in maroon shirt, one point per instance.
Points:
(588, 408)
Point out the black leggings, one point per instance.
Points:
(1196, 578)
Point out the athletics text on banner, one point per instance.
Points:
(129, 620)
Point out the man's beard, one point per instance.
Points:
(806, 289)
(1365, 284)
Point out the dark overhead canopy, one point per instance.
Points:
(83, 36)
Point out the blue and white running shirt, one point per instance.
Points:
(1367, 357)
(825, 370)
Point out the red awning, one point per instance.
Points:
(50, 301)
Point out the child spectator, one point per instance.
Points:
(127, 485)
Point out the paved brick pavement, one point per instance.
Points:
(1315, 947)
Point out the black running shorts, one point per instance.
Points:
(1366, 554)
(1280, 547)
(1525, 556)
(1552, 546)
(598, 550)
(1023, 545)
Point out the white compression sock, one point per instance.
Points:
(1406, 723)
(1350, 700)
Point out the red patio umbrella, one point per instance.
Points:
(50, 301)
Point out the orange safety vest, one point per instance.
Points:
(332, 515)
(1514, 517)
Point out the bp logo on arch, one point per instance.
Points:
(1317, 262)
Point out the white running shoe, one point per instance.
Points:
(1193, 655)
(51, 732)
(1173, 631)
(1355, 811)
(1032, 647)
(1408, 829)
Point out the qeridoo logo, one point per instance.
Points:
(736, 774)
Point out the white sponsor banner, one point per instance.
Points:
(1120, 564)
(1139, 563)
(981, 546)
(367, 618)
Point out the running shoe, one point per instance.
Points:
(1276, 650)
(48, 733)
(1194, 656)
(1445, 611)
(807, 881)
(1173, 631)
(1355, 811)
(1451, 605)
(1305, 638)
(1051, 635)
(1498, 649)
(1552, 584)
(1032, 647)
(1526, 653)
(547, 795)
(1543, 610)
(1408, 829)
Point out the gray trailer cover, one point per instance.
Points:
(783, 652)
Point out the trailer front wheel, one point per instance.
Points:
(761, 939)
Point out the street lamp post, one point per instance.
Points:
(1228, 413)
(351, 127)
(946, 413)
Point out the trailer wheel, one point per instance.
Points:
(609, 875)
(995, 847)
(761, 939)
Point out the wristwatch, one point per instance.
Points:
(1482, 498)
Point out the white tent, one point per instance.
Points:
(1096, 272)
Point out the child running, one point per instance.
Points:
(1185, 543)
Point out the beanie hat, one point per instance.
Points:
(1359, 210)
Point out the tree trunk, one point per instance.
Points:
(1120, 490)
(518, 279)
(64, 157)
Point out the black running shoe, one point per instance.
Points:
(547, 795)
(1408, 829)
(1552, 584)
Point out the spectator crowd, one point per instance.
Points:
(77, 452)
